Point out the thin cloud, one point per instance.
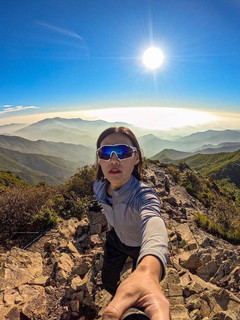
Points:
(9, 108)
(65, 32)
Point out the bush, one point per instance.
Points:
(8, 180)
(82, 182)
(192, 183)
(45, 218)
(18, 207)
(175, 173)
(215, 226)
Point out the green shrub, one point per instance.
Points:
(82, 182)
(8, 180)
(191, 182)
(175, 173)
(232, 233)
(45, 218)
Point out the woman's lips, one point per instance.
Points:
(114, 171)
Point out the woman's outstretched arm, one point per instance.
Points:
(142, 290)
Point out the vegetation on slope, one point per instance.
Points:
(223, 167)
(30, 210)
(36, 167)
(223, 207)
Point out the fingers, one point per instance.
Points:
(120, 303)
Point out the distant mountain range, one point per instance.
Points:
(85, 133)
(151, 144)
(9, 128)
(168, 155)
(77, 131)
(52, 149)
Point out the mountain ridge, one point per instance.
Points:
(34, 168)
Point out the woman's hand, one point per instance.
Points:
(142, 290)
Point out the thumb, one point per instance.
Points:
(111, 313)
(116, 307)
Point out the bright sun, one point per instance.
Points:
(152, 58)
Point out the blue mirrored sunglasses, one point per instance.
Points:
(122, 151)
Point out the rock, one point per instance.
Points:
(102, 299)
(71, 248)
(18, 300)
(51, 245)
(224, 269)
(39, 280)
(185, 279)
(99, 264)
(74, 305)
(13, 314)
(64, 262)
(171, 200)
(222, 300)
(208, 270)
(49, 290)
(96, 228)
(82, 238)
(61, 276)
(187, 235)
(83, 265)
(97, 221)
(193, 302)
(76, 283)
(234, 278)
(224, 315)
(195, 315)
(83, 227)
(190, 260)
(179, 312)
(68, 228)
(35, 300)
(10, 296)
(78, 296)
(173, 291)
(92, 241)
(19, 267)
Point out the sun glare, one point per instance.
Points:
(153, 58)
(155, 118)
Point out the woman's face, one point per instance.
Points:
(118, 172)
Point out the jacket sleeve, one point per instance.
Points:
(153, 229)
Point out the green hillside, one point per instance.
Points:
(168, 155)
(67, 151)
(34, 167)
(218, 166)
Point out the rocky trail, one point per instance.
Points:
(59, 276)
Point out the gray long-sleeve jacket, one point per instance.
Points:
(135, 216)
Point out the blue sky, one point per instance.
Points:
(61, 56)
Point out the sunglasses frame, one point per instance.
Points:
(134, 149)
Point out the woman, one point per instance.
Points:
(136, 227)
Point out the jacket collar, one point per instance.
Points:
(117, 195)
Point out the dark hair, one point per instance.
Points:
(137, 171)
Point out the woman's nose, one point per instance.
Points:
(114, 157)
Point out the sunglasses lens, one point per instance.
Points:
(104, 153)
(122, 151)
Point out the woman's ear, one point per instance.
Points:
(136, 157)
